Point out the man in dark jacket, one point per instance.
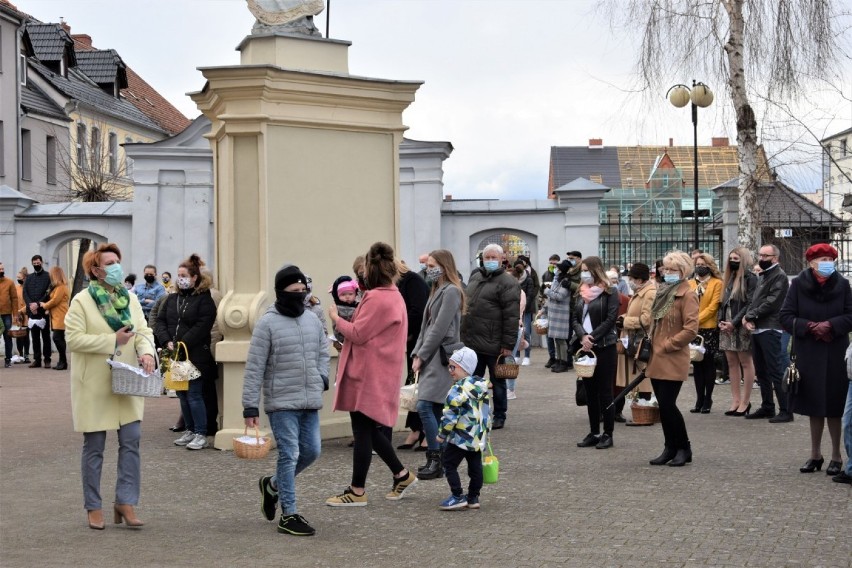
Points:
(763, 321)
(490, 326)
(36, 291)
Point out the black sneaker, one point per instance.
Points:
(8, 364)
(550, 363)
(268, 499)
(295, 525)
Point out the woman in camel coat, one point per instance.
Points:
(675, 317)
(57, 307)
(638, 316)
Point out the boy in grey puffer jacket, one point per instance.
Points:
(288, 358)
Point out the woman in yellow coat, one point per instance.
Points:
(707, 283)
(57, 306)
(106, 319)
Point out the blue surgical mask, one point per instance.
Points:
(572, 261)
(114, 274)
(491, 265)
(423, 266)
(825, 268)
(671, 278)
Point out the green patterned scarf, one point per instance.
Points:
(114, 306)
(664, 299)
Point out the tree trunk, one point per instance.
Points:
(79, 275)
(747, 147)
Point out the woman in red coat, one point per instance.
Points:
(369, 375)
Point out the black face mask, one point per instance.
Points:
(764, 264)
(2, 274)
(21, 281)
(149, 278)
(38, 268)
(290, 304)
(702, 271)
(734, 265)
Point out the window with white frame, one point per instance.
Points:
(95, 147)
(113, 153)
(81, 146)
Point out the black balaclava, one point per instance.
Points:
(290, 304)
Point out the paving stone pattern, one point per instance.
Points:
(742, 502)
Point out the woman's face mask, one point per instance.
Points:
(586, 277)
(114, 274)
(825, 268)
(671, 278)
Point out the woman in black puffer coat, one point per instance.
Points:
(188, 317)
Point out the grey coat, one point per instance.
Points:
(288, 358)
(559, 309)
(440, 330)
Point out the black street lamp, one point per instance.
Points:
(700, 96)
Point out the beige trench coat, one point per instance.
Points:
(672, 335)
(90, 342)
(638, 311)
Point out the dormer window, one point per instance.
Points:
(63, 66)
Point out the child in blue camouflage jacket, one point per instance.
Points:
(465, 425)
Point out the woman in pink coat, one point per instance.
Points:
(369, 375)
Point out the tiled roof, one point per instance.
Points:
(780, 203)
(631, 166)
(102, 66)
(142, 95)
(78, 86)
(33, 100)
(50, 41)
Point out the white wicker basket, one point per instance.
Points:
(129, 381)
(585, 370)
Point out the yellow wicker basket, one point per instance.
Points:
(256, 451)
(585, 370)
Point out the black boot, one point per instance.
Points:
(432, 469)
(665, 457)
(683, 457)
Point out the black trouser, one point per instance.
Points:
(599, 390)
(59, 341)
(453, 455)
(766, 346)
(41, 336)
(704, 372)
(674, 428)
(501, 403)
(369, 436)
(211, 405)
(23, 345)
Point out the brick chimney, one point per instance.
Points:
(596, 143)
(64, 25)
(84, 40)
(720, 142)
(448, 197)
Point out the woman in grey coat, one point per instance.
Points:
(439, 336)
(558, 310)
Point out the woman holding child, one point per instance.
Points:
(439, 336)
(368, 375)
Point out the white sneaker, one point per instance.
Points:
(510, 395)
(525, 362)
(171, 393)
(185, 439)
(199, 442)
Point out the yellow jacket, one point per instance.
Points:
(708, 302)
(91, 341)
(57, 305)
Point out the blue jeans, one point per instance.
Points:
(430, 415)
(767, 364)
(847, 429)
(452, 459)
(192, 407)
(297, 433)
(7, 339)
(528, 333)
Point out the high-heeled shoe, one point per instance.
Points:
(96, 519)
(732, 411)
(833, 468)
(812, 465)
(127, 514)
(738, 413)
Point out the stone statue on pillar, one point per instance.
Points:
(287, 16)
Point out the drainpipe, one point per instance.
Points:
(18, 113)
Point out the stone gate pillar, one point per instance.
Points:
(306, 171)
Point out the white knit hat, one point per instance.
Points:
(465, 358)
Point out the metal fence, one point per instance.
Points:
(646, 238)
(794, 233)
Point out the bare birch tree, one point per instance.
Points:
(776, 46)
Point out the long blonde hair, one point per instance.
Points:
(57, 277)
(450, 273)
(737, 280)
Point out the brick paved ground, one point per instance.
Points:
(742, 502)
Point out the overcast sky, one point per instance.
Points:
(504, 79)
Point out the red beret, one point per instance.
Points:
(822, 249)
